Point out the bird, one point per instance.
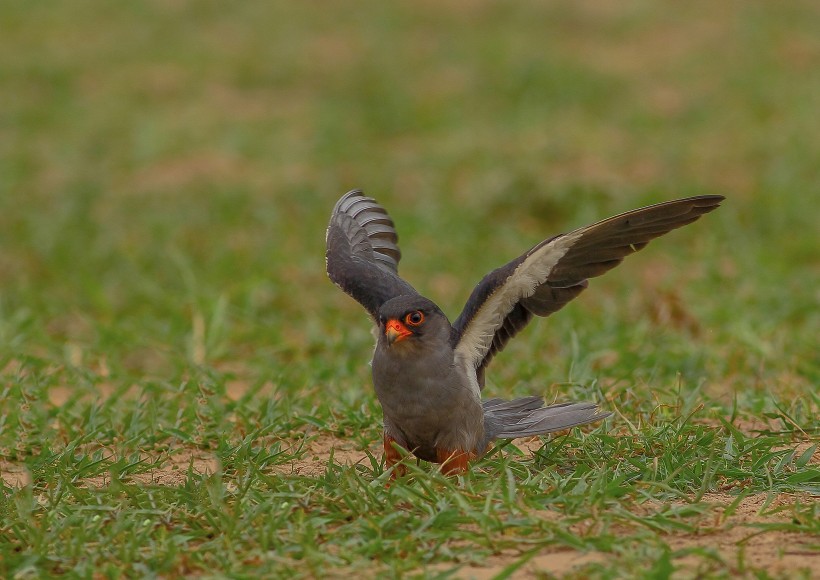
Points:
(428, 373)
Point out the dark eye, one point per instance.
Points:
(414, 318)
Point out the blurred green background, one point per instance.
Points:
(167, 169)
(162, 161)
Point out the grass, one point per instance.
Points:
(166, 174)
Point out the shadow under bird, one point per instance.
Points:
(429, 373)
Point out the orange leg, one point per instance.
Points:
(453, 462)
(392, 456)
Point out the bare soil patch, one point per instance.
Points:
(173, 467)
(318, 452)
(734, 538)
(743, 535)
(14, 474)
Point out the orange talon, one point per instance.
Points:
(453, 462)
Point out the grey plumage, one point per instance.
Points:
(592, 250)
(527, 416)
(428, 373)
(363, 253)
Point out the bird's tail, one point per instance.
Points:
(528, 416)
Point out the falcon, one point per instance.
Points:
(428, 373)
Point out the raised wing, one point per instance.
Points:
(555, 271)
(362, 252)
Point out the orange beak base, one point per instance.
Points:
(395, 331)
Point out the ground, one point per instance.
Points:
(751, 528)
(183, 393)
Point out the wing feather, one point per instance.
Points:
(555, 271)
(363, 253)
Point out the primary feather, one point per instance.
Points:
(552, 273)
(362, 255)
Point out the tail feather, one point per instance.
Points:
(500, 407)
(528, 416)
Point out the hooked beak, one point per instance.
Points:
(395, 331)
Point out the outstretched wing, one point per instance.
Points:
(362, 252)
(555, 271)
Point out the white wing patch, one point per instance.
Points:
(477, 337)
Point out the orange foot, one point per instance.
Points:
(453, 462)
(392, 457)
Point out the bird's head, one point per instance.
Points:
(411, 319)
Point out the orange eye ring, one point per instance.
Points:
(414, 318)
